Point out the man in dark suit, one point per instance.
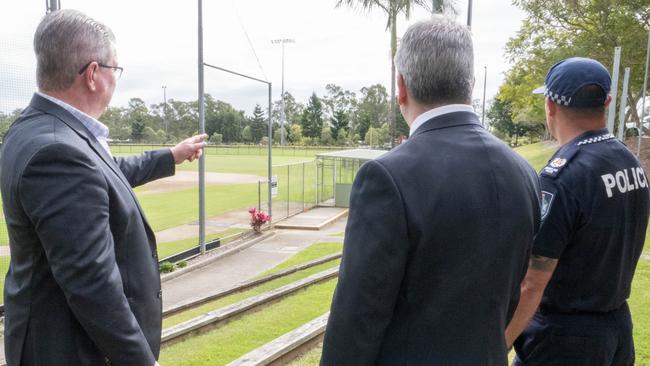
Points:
(83, 286)
(439, 229)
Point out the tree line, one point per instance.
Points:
(553, 30)
(340, 117)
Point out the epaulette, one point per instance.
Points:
(559, 161)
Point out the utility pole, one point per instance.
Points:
(283, 117)
(52, 5)
(469, 14)
(165, 109)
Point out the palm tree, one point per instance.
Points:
(393, 8)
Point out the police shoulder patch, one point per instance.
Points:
(559, 161)
(547, 201)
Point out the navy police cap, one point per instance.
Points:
(567, 77)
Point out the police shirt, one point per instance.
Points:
(595, 206)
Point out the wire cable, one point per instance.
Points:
(250, 43)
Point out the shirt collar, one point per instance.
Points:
(98, 129)
(436, 112)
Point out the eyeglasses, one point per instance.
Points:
(117, 70)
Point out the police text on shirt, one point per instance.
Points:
(621, 180)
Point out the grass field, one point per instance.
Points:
(4, 267)
(232, 340)
(173, 247)
(314, 251)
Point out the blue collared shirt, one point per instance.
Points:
(435, 112)
(98, 129)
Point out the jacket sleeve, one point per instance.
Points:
(373, 265)
(65, 195)
(142, 169)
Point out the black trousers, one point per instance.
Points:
(576, 339)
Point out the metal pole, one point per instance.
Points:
(612, 106)
(165, 109)
(52, 5)
(270, 158)
(484, 87)
(201, 130)
(645, 87)
(621, 115)
(469, 14)
(288, 186)
(282, 98)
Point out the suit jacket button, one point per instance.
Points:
(154, 254)
(160, 294)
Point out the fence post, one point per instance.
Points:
(259, 195)
(288, 185)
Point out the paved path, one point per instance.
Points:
(246, 264)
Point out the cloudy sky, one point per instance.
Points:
(157, 45)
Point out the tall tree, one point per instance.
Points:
(557, 29)
(340, 122)
(393, 8)
(312, 117)
(372, 109)
(258, 124)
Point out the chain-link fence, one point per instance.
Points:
(261, 150)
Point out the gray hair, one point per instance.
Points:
(436, 59)
(64, 42)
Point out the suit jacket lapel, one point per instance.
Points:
(48, 107)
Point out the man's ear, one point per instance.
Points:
(89, 76)
(608, 101)
(401, 90)
(551, 107)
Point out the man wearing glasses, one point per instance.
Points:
(83, 286)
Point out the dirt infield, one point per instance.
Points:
(188, 179)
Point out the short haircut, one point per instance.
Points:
(64, 42)
(586, 92)
(436, 60)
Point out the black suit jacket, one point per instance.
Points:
(83, 285)
(436, 245)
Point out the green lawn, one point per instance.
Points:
(640, 307)
(536, 154)
(169, 209)
(310, 253)
(240, 336)
(167, 249)
(4, 267)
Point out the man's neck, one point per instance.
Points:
(73, 100)
(573, 129)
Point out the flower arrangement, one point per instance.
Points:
(258, 218)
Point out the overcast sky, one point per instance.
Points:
(157, 45)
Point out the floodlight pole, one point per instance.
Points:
(645, 87)
(270, 127)
(283, 116)
(201, 131)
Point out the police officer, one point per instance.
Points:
(573, 309)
